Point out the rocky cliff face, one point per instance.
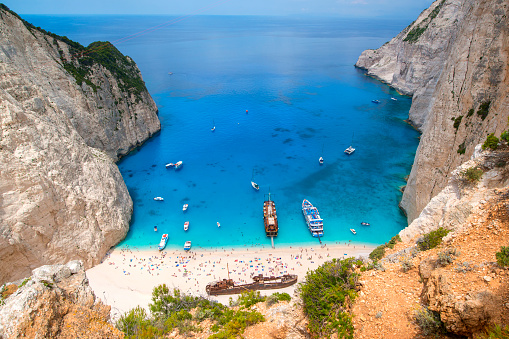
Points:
(459, 280)
(55, 302)
(61, 194)
(453, 60)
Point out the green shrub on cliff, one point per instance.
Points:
(472, 174)
(429, 322)
(491, 142)
(327, 295)
(505, 136)
(484, 109)
(379, 252)
(432, 239)
(503, 256)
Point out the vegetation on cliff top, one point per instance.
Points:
(491, 142)
(379, 252)
(327, 296)
(418, 30)
(432, 239)
(101, 52)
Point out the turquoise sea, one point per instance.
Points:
(281, 92)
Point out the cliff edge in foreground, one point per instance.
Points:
(66, 114)
(55, 302)
(453, 60)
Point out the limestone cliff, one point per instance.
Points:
(63, 124)
(453, 60)
(55, 302)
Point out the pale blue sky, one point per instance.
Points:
(403, 9)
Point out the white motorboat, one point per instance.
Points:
(186, 225)
(158, 199)
(185, 207)
(187, 246)
(349, 150)
(178, 165)
(164, 240)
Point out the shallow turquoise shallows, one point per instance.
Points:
(281, 92)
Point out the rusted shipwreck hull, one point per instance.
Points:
(227, 286)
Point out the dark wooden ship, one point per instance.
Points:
(270, 218)
(227, 286)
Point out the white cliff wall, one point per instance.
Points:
(61, 194)
(452, 69)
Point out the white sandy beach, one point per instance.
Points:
(127, 276)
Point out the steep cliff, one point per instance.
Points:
(63, 124)
(453, 60)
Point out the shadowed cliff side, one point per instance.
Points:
(62, 196)
(453, 60)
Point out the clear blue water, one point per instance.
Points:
(295, 76)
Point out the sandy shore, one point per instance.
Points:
(127, 276)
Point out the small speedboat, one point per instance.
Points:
(349, 150)
(218, 224)
(213, 129)
(186, 225)
(158, 199)
(394, 99)
(320, 160)
(170, 165)
(187, 246)
(353, 231)
(184, 208)
(155, 228)
(375, 101)
(365, 223)
(255, 185)
(164, 240)
(178, 165)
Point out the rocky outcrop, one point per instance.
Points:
(458, 284)
(457, 201)
(453, 60)
(61, 194)
(55, 302)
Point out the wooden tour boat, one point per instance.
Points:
(270, 218)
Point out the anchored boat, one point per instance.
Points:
(162, 243)
(313, 220)
(270, 218)
(227, 286)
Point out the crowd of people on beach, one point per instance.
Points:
(196, 269)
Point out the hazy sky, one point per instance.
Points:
(350, 8)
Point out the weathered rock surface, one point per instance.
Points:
(469, 290)
(455, 203)
(452, 60)
(56, 302)
(61, 194)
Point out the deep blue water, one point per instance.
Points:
(296, 78)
